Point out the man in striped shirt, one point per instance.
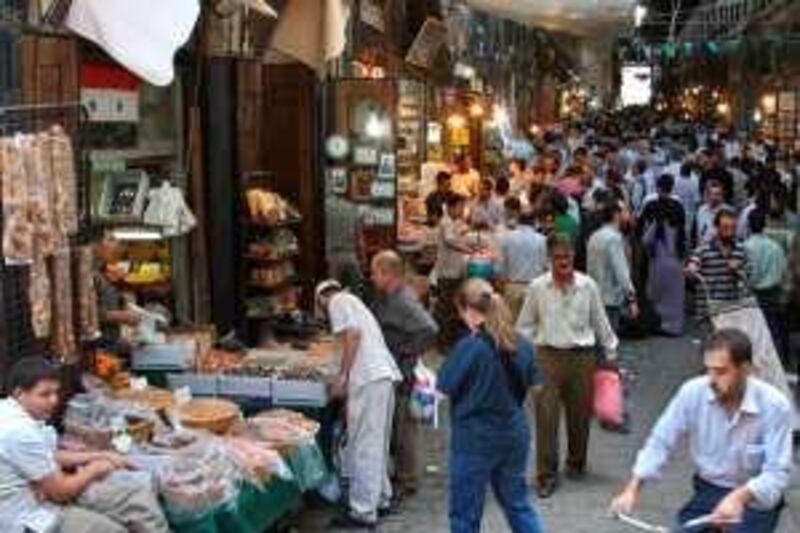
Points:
(721, 262)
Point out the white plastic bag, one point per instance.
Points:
(424, 402)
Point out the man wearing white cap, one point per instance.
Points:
(366, 378)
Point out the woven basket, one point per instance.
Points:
(210, 414)
(156, 399)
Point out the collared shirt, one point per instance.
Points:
(524, 252)
(489, 212)
(766, 261)
(569, 318)
(373, 361)
(607, 264)
(705, 222)
(451, 262)
(752, 447)
(27, 455)
(722, 283)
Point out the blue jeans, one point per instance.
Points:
(705, 499)
(504, 468)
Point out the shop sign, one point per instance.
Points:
(459, 136)
(109, 93)
(427, 43)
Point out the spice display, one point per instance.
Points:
(272, 276)
(278, 245)
(256, 459)
(217, 361)
(63, 334)
(283, 429)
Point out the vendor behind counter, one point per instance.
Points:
(110, 300)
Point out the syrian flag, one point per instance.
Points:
(109, 93)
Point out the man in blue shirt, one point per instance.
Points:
(740, 438)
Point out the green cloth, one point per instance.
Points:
(256, 509)
(253, 511)
(567, 225)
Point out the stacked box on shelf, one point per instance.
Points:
(245, 386)
(298, 393)
(198, 384)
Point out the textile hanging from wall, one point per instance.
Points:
(142, 35)
(313, 31)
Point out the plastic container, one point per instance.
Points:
(174, 356)
(297, 393)
(198, 384)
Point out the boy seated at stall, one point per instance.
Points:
(44, 489)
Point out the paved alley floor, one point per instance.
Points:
(658, 367)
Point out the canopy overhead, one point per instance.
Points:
(585, 18)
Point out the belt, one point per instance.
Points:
(568, 350)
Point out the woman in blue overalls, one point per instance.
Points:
(487, 377)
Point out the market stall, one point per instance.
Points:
(213, 468)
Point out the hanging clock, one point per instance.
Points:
(337, 147)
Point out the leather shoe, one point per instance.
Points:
(545, 489)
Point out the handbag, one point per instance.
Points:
(608, 401)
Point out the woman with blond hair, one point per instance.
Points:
(487, 377)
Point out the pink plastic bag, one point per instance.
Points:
(608, 397)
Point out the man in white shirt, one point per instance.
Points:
(465, 179)
(740, 437)
(564, 316)
(367, 378)
(44, 489)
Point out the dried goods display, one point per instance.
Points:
(198, 480)
(210, 414)
(217, 361)
(40, 298)
(63, 333)
(88, 312)
(65, 207)
(257, 460)
(280, 244)
(273, 275)
(283, 429)
(18, 232)
(269, 208)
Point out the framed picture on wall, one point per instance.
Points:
(387, 167)
(124, 195)
(337, 180)
(366, 156)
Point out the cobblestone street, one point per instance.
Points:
(658, 366)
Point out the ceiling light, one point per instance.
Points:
(456, 121)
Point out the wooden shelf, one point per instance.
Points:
(277, 225)
(288, 282)
(261, 259)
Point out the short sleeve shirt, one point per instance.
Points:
(27, 455)
(373, 361)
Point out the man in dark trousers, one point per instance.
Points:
(409, 331)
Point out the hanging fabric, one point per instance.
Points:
(142, 35)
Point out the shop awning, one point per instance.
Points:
(578, 17)
(313, 31)
(142, 35)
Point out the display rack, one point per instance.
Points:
(17, 339)
(257, 294)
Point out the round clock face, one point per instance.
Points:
(337, 147)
